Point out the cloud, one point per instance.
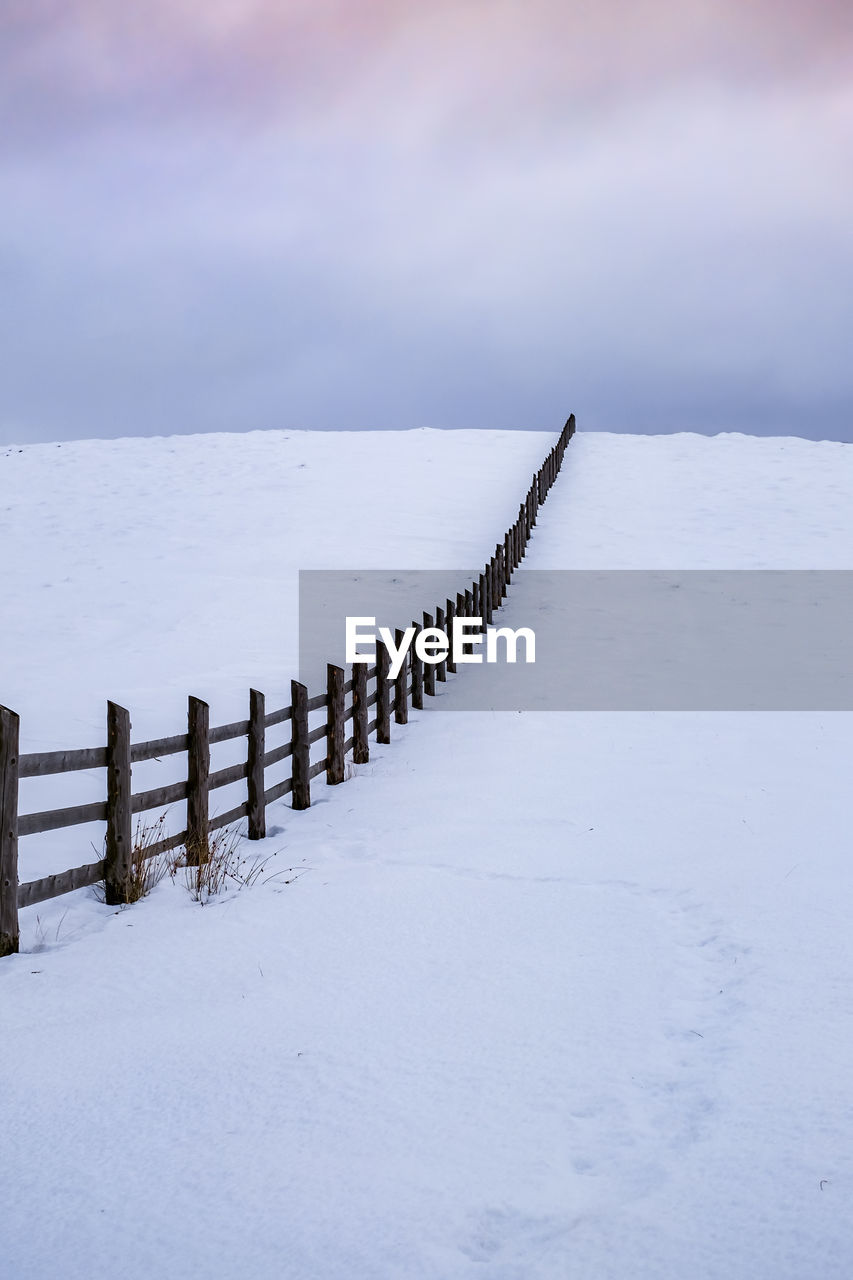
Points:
(227, 215)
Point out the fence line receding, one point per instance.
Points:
(353, 713)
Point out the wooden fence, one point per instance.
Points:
(353, 713)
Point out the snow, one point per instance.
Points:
(543, 995)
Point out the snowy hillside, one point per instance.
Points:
(531, 997)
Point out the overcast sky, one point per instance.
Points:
(240, 214)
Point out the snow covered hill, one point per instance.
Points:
(545, 996)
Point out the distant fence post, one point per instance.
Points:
(360, 736)
(255, 809)
(383, 694)
(335, 724)
(300, 754)
(401, 691)
(418, 672)
(198, 774)
(441, 667)
(428, 668)
(118, 857)
(9, 738)
(449, 615)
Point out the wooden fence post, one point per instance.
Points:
(360, 736)
(417, 672)
(401, 692)
(257, 813)
(475, 598)
(449, 615)
(440, 622)
(198, 773)
(383, 694)
(9, 739)
(335, 725)
(483, 601)
(118, 857)
(428, 668)
(300, 752)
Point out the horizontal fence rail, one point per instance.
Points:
(345, 701)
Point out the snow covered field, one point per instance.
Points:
(547, 996)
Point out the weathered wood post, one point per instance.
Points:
(482, 599)
(486, 596)
(417, 672)
(449, 615)
(118, 856)
(300, 749)
(256, 809)
(9, 739)
(383, 694)
(441, 623)
(428, 667)
(475, 598)
(401, 689)
(198, 774)
(335, 724)
(360, 736)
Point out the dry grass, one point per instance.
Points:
(222, 868)
(145, 871)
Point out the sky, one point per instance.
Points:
(226, 215)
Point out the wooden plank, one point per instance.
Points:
(317, 735)
(277, 717)
(301, 746)
(118, 855)
(319, 700)
(383, 694)
(10, 728)
(255, 767)
(225, 819)
(157, 748)
(159, 797)
(35, 891)
(360, 705)
(227, 732)
(316, 769)
(165, 845)
(224, 777)
(280, 789)
(417, 672)
(277, 754)
(335, 724)
(371, 726)
(401, 687)
(428, 668)
(54, 819)
(198, 774)
(43, 763)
